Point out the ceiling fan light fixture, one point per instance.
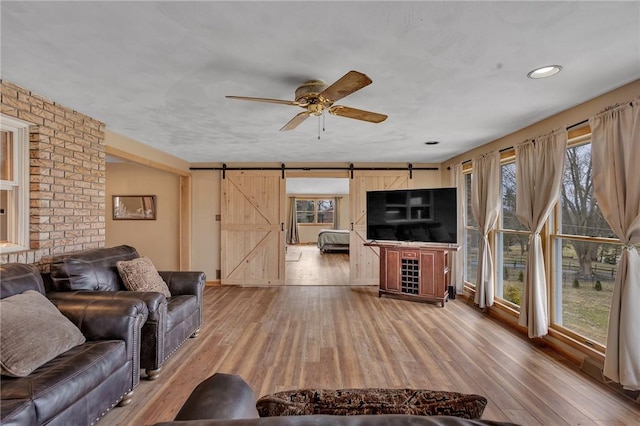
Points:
(544, 72)
(432, 142)
(316, 97)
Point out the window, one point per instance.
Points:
(585, 254)
(314, 211)
(512, 241)
(14, 185)
(471, 237)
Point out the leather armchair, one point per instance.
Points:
(92, 274)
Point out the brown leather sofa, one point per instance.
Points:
(226, 399)
(92, 274)
(80, 385)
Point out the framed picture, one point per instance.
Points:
(134, 207)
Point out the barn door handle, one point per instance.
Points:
(282, 226)
(352, 226)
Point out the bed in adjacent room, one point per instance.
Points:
(333, 240)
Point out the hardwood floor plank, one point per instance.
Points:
(281, 338)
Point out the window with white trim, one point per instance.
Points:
(585, 254)
(314, 211)
(512, 240)
(14, 185)
(471, 237)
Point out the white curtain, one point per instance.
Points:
(615, 157)
(457, 260)
(292, 229)
(539, 171)
(336, 213)
(485, 203)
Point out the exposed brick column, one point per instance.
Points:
(67, 176)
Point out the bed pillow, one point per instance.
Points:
(141, 275)
(32, 333)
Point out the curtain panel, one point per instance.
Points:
(539, 172)
(615, 148)
(485, 204)
(457, 258)
(292, 228)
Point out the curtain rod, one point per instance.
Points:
(283, 168)
(511, 147)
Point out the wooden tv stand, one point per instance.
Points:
(415, 271)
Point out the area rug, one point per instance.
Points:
(293, 256)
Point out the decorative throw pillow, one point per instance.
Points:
(32, 333)
(350, 402)
(141, 275)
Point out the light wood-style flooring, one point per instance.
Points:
(342, 337)
(306, 265)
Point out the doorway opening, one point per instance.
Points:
(317, 231)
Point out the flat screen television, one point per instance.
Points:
(419, 215)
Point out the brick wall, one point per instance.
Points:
(67, 176)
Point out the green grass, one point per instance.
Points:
(585, 310)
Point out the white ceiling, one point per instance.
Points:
(455, 72)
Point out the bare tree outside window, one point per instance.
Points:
(311, 211)
(585, 258)
(580, 212)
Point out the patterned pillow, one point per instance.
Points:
(33, 332)
(141, 275)
(349, 402)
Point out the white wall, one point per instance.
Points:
(205, 235)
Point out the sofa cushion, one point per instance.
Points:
(33, 332)
(350, 402)
(141, 275)
(16, 278)
(67, 379)
(90, 270)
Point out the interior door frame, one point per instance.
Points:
(331, 174)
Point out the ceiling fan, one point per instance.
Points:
(316, 97)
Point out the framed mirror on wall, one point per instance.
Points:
(134, 207)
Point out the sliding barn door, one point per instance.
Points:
(365, 261)
(252, 236)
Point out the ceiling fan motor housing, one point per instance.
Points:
(308, 92)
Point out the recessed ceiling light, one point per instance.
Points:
(544, 72)
(431, 142)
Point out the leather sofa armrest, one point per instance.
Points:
(221, 396)
(105, 319)
(152, 300)
(184, 282)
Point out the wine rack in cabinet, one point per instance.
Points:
(416, 272)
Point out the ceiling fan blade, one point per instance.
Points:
(346, 85)
(267, 100)
(295, 121)
(357, 114)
